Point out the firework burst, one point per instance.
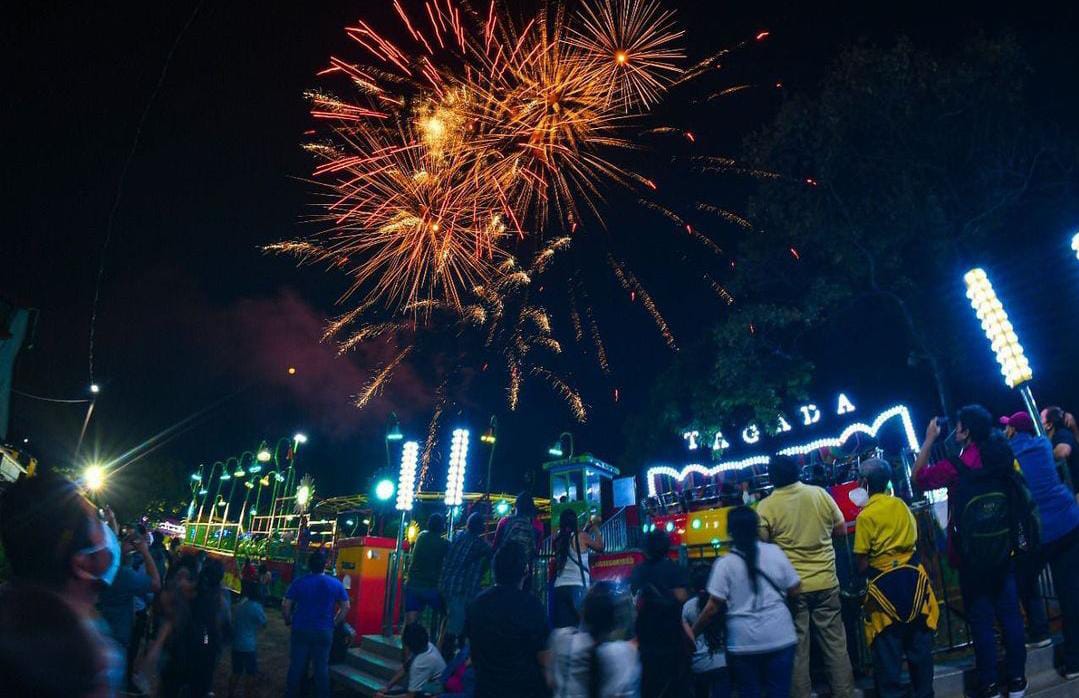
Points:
(458, 175)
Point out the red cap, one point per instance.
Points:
(1020, 421)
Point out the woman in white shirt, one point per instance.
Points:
(754, 583)
(571, 568)
(587, 662)
(710, 676)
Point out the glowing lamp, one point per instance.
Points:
(455, 477)
(300, 438)
(488, 436)
(220, 501)
(94, 477)
(998, 329)
(255, 468)
(249, 485)
(384, 490)
(303, 495)
(1075, 244)
(670, 526)
(224, 476)
(556, 449)
(502, 508)
(197, 477)
(95, 388)
(406, 481)
(279, 477)
(203, 491)
(264, 455)
(239, 472)
(696, 524)
(350, 522)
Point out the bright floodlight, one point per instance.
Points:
(95, 388)
(303, 494)
(455, 477)
(94, 477)
(384, 490)
(300, 438)
(406, 482)
(1005, 343)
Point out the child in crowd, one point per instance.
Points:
(423, 666)
(248, 618)
(710, 677)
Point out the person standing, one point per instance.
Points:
(248, 618)
(1065, 449)
(756, 584)
(802, 519)
(900, 609)
(590, 661)
(710, 676)
(312, 606)
(54, 541)
(571, 576)
(507, 632)
(1059, 515)
(118, 602)
(521, 527)
(462, 571)
(661, 589)
(988, 595)
(421, 584)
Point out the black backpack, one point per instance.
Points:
(993, 515)
(519, 530)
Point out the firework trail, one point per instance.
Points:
(379, 380)
(630, 284)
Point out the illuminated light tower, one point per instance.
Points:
(406, 492)
(1002, 339)
(455, 477)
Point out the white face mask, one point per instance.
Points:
(859, 497)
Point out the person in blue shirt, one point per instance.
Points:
(313, 605)
(248, 618)
(1059, 516)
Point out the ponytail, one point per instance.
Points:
(567, 532)
(742, 525)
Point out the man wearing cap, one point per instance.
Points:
(1059, 516)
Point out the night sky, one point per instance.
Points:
(194, 320)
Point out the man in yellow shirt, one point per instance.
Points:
(801, 519)
(900, 608)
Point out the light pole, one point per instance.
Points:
(406, 491)
(490, 437)
(94, 390)
(455, 475)
(1002, 338)
(203, 482)
(237, 475)
(290, 456)
(217, 493)
(556, 449)
(196, 482)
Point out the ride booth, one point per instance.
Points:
(362, 564)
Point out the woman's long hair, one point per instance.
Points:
(600, 617)
(567, 535)
(713, 632)
(742, 525)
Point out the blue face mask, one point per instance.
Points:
(112, 544)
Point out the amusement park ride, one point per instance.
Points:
(689, 501)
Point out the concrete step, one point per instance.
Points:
(388, 647)
(355, 680)
(374, 664)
